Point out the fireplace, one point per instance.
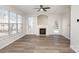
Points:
(42, 31)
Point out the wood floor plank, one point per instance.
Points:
(39, 44)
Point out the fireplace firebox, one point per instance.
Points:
(42, 31)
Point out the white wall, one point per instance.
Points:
(42, 20)
(51, 24)
(66, 25)
(75, 27)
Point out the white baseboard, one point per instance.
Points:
(66, 37)
(8, 40)
(74, 48)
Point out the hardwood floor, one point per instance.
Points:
(39, 44)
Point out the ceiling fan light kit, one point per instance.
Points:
(41, 9)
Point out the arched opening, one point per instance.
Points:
(42, 20)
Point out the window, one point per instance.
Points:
(30, 24)
(10, 23)
(19, 23)
(13, 27)
(3, 22)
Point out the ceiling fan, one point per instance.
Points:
(42, 8)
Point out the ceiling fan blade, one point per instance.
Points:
(46, 7)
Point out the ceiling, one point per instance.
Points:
(56, 9)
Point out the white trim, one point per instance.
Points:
(73, 48)
(8, 40)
